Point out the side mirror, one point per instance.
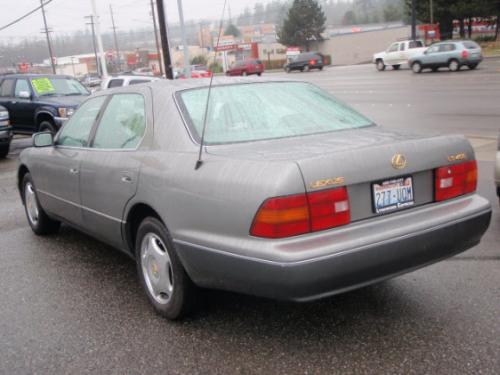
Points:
(24, 95)
(43, 139)
(426, 52)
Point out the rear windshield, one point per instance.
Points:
(259, 111)
(470, 45)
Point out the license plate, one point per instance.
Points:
(393, 194)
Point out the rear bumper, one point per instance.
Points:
(339, 271)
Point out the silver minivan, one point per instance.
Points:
(450, 54)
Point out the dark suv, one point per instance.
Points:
(5, 132)
(305, 62)
(40, 102)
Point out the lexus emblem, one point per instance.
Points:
(398, 161)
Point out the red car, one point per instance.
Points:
(245, 68)
(200, 71)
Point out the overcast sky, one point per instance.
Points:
(64, 16)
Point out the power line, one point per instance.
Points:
(26, 15)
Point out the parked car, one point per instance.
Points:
(145, 71)
(91, 80)
(497, 170)
(398, 53)
(200, 71)
(297, 196)
(246, 68)
(126, 80)
(40, 102)
(451, 54)
(305, 62)
(5, 132)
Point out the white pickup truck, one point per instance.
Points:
(398, 53)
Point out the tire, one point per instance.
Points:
(380, 65)
(454, 65)
(473, 66)
(39, 221)
(161, 274)
(47, 126)
(288, 70)
(396, 67)
(306, 68)
(320, 68)
(244, 73)
(435, 69)
(259, 74)
(4, 150)
(416, 67)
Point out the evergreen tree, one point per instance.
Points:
(232, 30)
(304, 23)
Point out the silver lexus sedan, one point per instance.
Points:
(296, 197)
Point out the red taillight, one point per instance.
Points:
(455, 180)
(302, 213)
(465, 54)
(312, 62)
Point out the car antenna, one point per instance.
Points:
(199, 162)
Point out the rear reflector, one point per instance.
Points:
(312, 62)
(465, 54)
(301, 213)
(455, 180)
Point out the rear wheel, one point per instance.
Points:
(259, 74)
(380, 65)
(167, 285)
(416, 67)
(320, 68)
(4, 150)
(38, 220)
(396, 67)
(47, 126)
(454, 65)
(472, 66)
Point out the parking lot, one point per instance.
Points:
(70, 304)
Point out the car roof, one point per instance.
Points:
(30, 75)
(131, 77)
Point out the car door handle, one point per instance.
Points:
(73, 171)
(126, 178)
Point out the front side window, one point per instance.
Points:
(433, 49)
(22, 85)
(393, 48)
(122, 124)
(258, 111)
(77, 130)
(6, 88)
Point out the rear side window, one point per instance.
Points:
(402, 47)
(448, 47)
(415, 44)
(77, 130)
(6, 88)
(471, 45)
(115, 83)
(258, 111)
(258, 62)
(122, 124)
(22, 85)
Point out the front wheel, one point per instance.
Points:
(38, 220)
(167, 285)
(416, 67)
(47, 126)
(380, 65)
(396, 67)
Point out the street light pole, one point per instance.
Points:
(187, 69)
(157, 40)
(91, 23)
(115, 38)
(431, 6)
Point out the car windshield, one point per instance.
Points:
(259, 111)
(48, 86)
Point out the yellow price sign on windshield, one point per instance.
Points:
(42, 85)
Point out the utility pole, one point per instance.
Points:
(162, 21)
(157, 40)
(413, 21)
(91, 23)
(115, 38)
(102, 58)
(46, 32)
(185, 50)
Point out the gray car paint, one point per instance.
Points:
(210, 210)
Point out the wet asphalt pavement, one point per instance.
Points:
(71, 305)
